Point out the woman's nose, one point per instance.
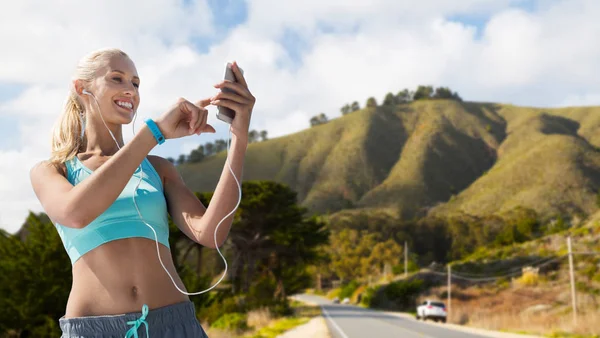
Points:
(130, 89)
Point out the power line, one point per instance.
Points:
(455, 275)
(589, 253)
(507, 271)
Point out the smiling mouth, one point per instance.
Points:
(123, 107)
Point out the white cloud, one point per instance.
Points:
(581, 100)
(354, 49)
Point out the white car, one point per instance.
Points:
(432, 310)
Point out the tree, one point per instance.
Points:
(389, 100)
(355, 106)
(252, 136)
(181, 159)
(197, 155)
(220, 145)
(346, 109)
(348, 250)
(388, 252)
(35, 281)
(170, 159)
(443, 93)
(263, 135)
(323, 118)
(403, 96)
(319, 119)
(209, 149)
(371, 102)
(423, 93)
(272, 240)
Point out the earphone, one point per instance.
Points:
(154, 231)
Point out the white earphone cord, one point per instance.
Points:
(154, 231)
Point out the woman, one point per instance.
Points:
(86, 188)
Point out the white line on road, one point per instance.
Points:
(397, 325)
(333, 322)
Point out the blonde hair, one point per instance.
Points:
(66, 135)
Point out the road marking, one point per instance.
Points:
(398, 325)
(333, 322)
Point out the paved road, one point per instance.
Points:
(347, 321)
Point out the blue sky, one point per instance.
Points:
(300, 59)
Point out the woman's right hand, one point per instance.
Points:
(185, 118)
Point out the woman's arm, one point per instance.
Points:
(189, 214)
(77, 206)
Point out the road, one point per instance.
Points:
(348, 321)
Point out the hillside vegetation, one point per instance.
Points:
(436, 157)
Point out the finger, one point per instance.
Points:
(184, 106)
(201, 121)
(208, 129)
(231, 96)
(238, 74)
(204, 102)
(236, 107)
(236, 87)
(193, 112)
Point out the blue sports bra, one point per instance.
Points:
(121, 219)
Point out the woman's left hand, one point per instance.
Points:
(241, 101)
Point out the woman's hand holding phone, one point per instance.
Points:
(237, 97)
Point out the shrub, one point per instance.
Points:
(219, 307)
(231, 322)
(369, 296)
(334, 293)
(348, 289)
(401, 295)
(358, 294)
(259, 318)
(404, 293)
(529, 278)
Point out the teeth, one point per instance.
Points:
(125, 104)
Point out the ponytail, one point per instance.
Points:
(66, 138)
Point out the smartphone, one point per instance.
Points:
(223, 113)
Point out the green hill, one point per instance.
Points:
(548, 162)
(433, 156)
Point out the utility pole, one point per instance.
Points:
(449, 293)
(319, 285)
(405, 260)
(572, 273)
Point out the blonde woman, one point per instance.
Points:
(124, 279)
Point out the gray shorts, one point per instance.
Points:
(177, 320)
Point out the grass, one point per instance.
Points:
(278, 327)
(491, 157)
(263, 325)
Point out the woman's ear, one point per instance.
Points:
(78, 85)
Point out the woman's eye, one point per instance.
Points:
(117, 78)
(136, 85)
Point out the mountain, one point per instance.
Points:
(436, 157)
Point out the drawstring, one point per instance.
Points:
(137, 323)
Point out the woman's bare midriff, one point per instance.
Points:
(120, 277)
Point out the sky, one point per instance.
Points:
(300, 58)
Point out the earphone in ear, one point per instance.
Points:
(86, 92)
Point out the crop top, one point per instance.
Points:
(121, 219)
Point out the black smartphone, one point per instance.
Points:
(223, 113)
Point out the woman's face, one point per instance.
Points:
(116, 89)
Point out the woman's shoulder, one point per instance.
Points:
(47, 167)
(165, 168)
